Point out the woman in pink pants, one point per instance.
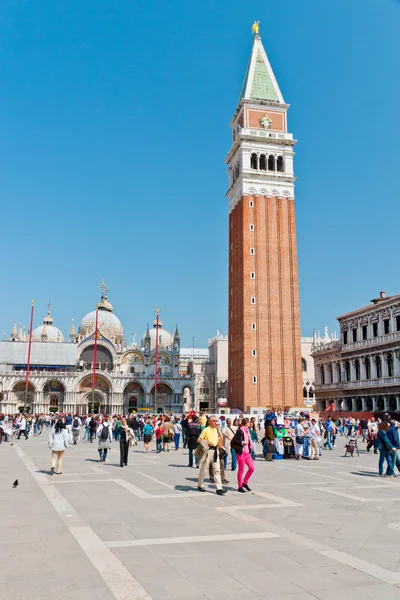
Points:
(243, 446)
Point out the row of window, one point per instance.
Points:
(357, 370)
(364, 331)
(265, 162)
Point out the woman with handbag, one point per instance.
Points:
(243, 446)
(300, 432)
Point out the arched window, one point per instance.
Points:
(339, 372)
(330, 371)
(390, 364)
(263, 162)
(322, 374)
(304, 392)
(367, 368)
(254, 161)
(357, 369)
(271, 163)
(303, 364)
(279, 164)
(347, 370)
(378, 367)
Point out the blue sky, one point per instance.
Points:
(114, 129)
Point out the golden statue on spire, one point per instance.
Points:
(255, 27)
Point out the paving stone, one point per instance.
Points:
(37, 541)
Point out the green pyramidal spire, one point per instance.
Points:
(259, 82)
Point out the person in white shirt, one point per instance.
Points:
(315, 435)
(58, 442)
(22, 427)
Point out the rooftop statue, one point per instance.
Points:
(255, 27)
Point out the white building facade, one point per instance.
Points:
(307, 363)
(217, 371)
(61, 373)
(361, 371)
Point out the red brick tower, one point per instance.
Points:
(264, 314)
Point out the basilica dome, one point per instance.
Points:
(165, 339)
(108, 323)
(47, 332)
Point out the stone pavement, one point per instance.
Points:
(309, 530)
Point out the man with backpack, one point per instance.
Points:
(76, 425)
(104, 435)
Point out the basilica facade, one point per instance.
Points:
(61, 372)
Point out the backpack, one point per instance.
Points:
(75, 424)
(104, 433)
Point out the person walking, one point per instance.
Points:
(364, 428)
(185, 425)
(227, 436)
(386, 450)
(159, 437)
(209, 440)
(328, 433)
(75, 428)
(300, 432)
(254, 436)
(177, 433)
(168, 433)
(393, 437)
(104, 435)
(193, 433)
(92, 429)
(68, 425)
(22, 427)
(222, 453)
(87, 423)
(314, 434)
(372, 433)
(148, 434)
(58, 443)
(243, 446)
(124, 443)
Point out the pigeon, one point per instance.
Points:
(15, 484)
(12, 444)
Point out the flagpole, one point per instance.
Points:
(156, 365)
(95, 357)
(28, 366)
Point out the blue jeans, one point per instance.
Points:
(328, 440)
(177, 437)
(191, 458)
(233, 456)
(103, 453)
(388, 456)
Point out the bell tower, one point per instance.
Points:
(264, 313)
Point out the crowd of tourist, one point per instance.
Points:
(212, 442)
